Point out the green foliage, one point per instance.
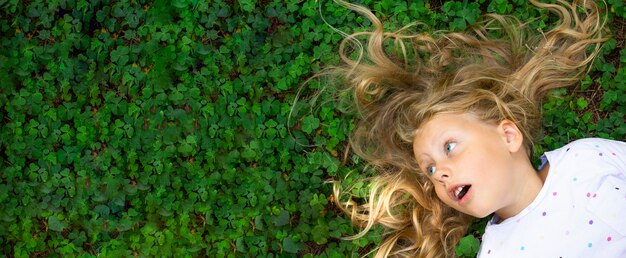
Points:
(468, 246)
(595, 109)
(173, 128)
(461, 14)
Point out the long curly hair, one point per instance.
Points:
(498, 69)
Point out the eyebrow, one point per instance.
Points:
(421, 159)
(430, 143)
(434, 141)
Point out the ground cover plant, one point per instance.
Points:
(182, 128)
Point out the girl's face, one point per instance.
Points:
(477, 168)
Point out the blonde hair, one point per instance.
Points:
(498, 69)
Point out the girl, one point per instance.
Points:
(449, 122)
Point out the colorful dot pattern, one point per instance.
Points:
(585, 227)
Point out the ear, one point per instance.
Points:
(511, 135)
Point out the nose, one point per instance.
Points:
(443, 177)
(442, 174)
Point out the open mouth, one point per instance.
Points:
(460, 191)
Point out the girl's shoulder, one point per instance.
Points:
(588, 157)
(592, 146)
(595, 143)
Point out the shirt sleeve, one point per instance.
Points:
(615, 154)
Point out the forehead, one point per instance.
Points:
(442, 121)
(447, 123)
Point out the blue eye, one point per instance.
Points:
(431, 170)
(450, 146)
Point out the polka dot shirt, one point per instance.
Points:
(579, 212)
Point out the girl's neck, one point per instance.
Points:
(527, 192)
(543, 173)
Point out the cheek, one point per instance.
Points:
(443, 195)
(478, 164)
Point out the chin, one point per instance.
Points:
(482, 215)
(478, 215)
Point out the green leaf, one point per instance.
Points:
(19, 101)
(120, 55)
(282, 218)
(321, 233)
(55, 224)
(468, 247)
(282, 85)
(103, 210)
(180, 4)
(241, 246)
(581, 103)
(310, 123)
(248, 153)
(291, 246)
(247, 5)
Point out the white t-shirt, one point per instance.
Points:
(579, 212)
